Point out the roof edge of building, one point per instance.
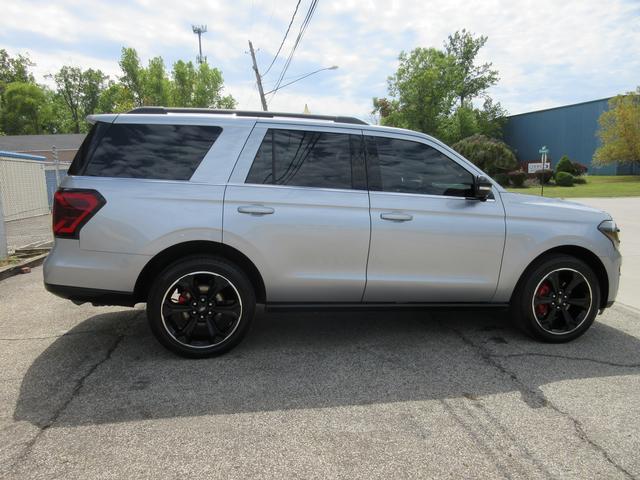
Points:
(561, 106)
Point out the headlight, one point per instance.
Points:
(611, 230)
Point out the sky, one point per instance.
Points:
(547, 52)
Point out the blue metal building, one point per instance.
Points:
(568, 130)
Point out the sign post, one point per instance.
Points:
(544, 166)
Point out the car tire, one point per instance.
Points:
(557, 299)
(201, 306)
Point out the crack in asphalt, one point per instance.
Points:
(535, 398)
(566, 357)
(74, 393)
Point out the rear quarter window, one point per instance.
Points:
(152, 151)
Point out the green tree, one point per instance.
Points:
(491, 119)
(187, 87)
(619, 131)
(471, 80)
(55, 114)
(14, 69)
(491, 155)
(433, 91)
(184, 77)
(114, 99)
(156, 83)
(565, 165)
(462, 123)
(421, 91)
(207, 89)
(80, 91)
(23, 111)
(133, 75)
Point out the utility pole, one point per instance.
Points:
(199, 30)
(258, 77)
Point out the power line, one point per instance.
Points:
(303, 28)
(283, 39)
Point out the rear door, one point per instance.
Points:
(298, 207)
(429, 242)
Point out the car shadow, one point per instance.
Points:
(110, 369)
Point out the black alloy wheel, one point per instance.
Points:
(557, 298)
(201, 309)
(201, 306)
(562, 301)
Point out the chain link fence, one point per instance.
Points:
(27, 186)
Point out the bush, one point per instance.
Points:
(579, 180)
(544, 176)
(564, 179)
(517, 178)
(488, 154)
(565, 165)
(579, 168)
(502, 178)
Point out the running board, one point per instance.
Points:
(283, 306)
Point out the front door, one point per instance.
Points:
(429, 241)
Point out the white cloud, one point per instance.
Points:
(547, 52)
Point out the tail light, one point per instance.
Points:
(72, 208)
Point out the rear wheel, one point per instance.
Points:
(201, 306)
(557, 300)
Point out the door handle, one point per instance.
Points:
(396, 217)
(256, 210)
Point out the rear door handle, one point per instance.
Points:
(256, 210)
(396, 217)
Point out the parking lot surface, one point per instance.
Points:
(88, 393)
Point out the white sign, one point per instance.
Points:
(536, 167)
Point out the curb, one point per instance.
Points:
(11, 270)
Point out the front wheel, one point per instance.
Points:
(557, 300)
(201, 306)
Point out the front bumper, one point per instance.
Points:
(612, 264)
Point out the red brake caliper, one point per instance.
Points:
(543, 291)
(182, 299)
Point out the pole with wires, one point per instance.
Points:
(258, 77)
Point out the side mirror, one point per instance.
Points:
(482, 188)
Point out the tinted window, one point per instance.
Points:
(410, 167)
(88, 145)
(166, 152)
(309, 159)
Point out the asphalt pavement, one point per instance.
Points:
(88, 393)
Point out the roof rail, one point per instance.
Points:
(246, 113)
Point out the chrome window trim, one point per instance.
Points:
(345, 190)
(296, 187)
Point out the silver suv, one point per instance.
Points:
(203, 214)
